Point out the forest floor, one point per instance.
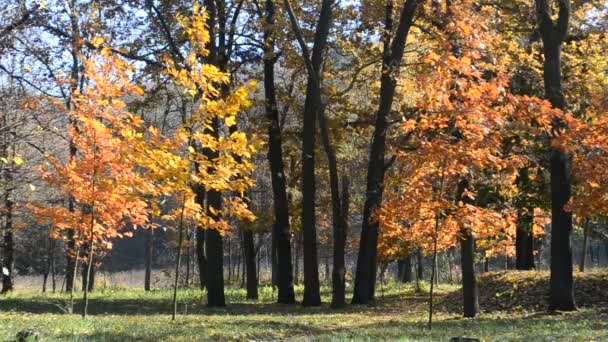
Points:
(400, 313)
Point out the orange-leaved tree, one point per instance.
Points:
(102, 177)
(453, 176)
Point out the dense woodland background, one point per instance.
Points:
(420, 140)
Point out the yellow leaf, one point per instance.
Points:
(230, 121)
(18, 160)
(97, 41)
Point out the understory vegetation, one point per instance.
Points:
(398, 314)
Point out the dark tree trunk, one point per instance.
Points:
(524, 239)
(274, 267)
(200, 241)
(85, 270)
(251, 273)
(470, 291)
(213, 241)
(420, 268)
(365, 281)
(405, 269)
(338, 299)
(553, 35)
(70, 271)
(312, 106)
(148, 260)
(281, 229)
(581, 266)
(469, 283)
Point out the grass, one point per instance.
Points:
(401, 314)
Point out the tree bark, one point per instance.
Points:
(581, 266)
(148, 260)
(338, 299)
(88, 282)
(74, 77)
(553, 35)
(365, 281)
(469, 282)
(251, 273)
(405, 269)
(312, 106)
(524, 238)
(213, 240)
(470, 292)
(281, 230)
(8, 242)
(200, 242)
(420, 268)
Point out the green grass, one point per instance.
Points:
(126, 315)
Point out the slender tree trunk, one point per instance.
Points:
(188, 240)
(339, 268)
(148, 261)
(251, 273)
(88, 278)
(87, 284)
(8, 242)
(53, 270)
(524, 239)
(365, 281)
(553, 35)
(281, 230)
(420, 267)
(70, 274)
(434, 266)
(200, 242)
(178, 260)
(229, 248)
(581, 266)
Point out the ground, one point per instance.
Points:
(400, 313)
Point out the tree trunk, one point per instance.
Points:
(200, 242)
(148, 261)
(553, 35)
(338, 299)
(405, 269)
(8, 242)
(213, 240)
(470, 292)
(420, 268)
(88, 282)
(312, 106)
(281, 230)
(365, 280)
(469, 282)
(581, 266)
(70, 271)
(251, 273)
(524, 239)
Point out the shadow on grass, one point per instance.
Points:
(163, 306)
(252, 329)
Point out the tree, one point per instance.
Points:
(312, 107)
(394, 46)
(275, 158)
(101, 179)
(553, 35)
